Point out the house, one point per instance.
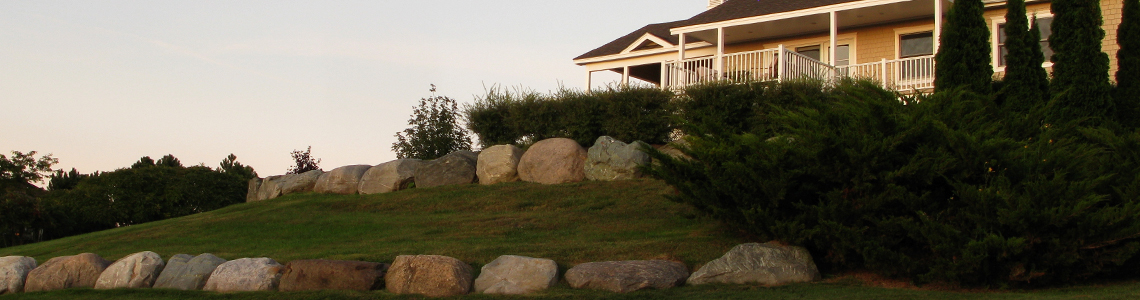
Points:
(890, 41)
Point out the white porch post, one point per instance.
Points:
(834, 45)
(937, 23)
(588, 80)
(681, 47)
(719, 67)
(625, 76)
(781, 57)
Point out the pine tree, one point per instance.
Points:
(1026, 82)
(1080, 87)
(1128, 65)
(963, 59)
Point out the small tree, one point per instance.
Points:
(1128, 64)
(435, 130)
(304, 162)
(1026, 82)
(24, 168)
(1081, 90)
(963, 59)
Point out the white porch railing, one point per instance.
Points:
(914, 73)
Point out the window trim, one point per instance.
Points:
(899, 32)
(995, 51)
(824, 44)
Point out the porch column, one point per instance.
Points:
(625, 76)
(719, 67)
(588, 72)
(834, 45)
(681, 47)
(937, 23)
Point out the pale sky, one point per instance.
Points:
(101, 83)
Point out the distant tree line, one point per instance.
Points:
(76, 203)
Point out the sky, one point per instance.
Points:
(99, 84)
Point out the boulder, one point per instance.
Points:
(319, 274)
(389, 177)
(64, 272)
(611, 159)
(430, 275)
(187, 272)
(280, 185)
(254, 188)
(553, 161)
(767, 264)
(455, 168)
(245, 274)
(343, 180)
(14, 272)
(137, 270)
(627, 276)
(499, 163)
(510, 274)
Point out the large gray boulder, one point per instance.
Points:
(253, 190)
(187, 272)
(389, 177)
(455, 168)
(430, 275)
(499, 163)
(611, 159)
(510, 274)
(280, 185)
(627, 276)
(320, 274)
(343, 180)
(14, 272)
(64, 272)
(553, 161)
(767, 264)
(245, 274)
(134, 271)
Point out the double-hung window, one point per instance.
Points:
(915, 45)
(1044, 26)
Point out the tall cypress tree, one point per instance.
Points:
(1026, 82)
(1128, 65)
(963, 58)
(1080, 70)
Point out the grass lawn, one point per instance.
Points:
(569, 223)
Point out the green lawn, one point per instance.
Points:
(570, 223)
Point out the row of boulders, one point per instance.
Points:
(430, 275)
(550, 161)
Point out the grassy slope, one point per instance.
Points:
(570, 223)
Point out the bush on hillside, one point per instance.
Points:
(435, 130)
(523, 117)
(934, 189)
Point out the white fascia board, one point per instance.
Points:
(784, 15)
(693, 45)
(649, 37)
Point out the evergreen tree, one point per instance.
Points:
(1080, 87)
(435, 130)
(1026, 82)
(65, 181)
(963, 59)
(1128, 65)
(230, 165)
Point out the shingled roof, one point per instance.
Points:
(729, 10)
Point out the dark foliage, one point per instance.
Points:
(231, 166)
(934, 189)
(435, 130)
(1080, 87)
(523, 117)
(1127, 95)
(963, 57)
(65, 181)
(1025, 82)
(303, 162)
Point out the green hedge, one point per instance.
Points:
(523, 117)
(937, 189)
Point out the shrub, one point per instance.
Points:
(963, 58)
(435, 130)
(523, 117)
(934, 188)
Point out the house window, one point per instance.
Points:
(916, 44)
(843, 55)
(809, 51)
(1044, 26)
